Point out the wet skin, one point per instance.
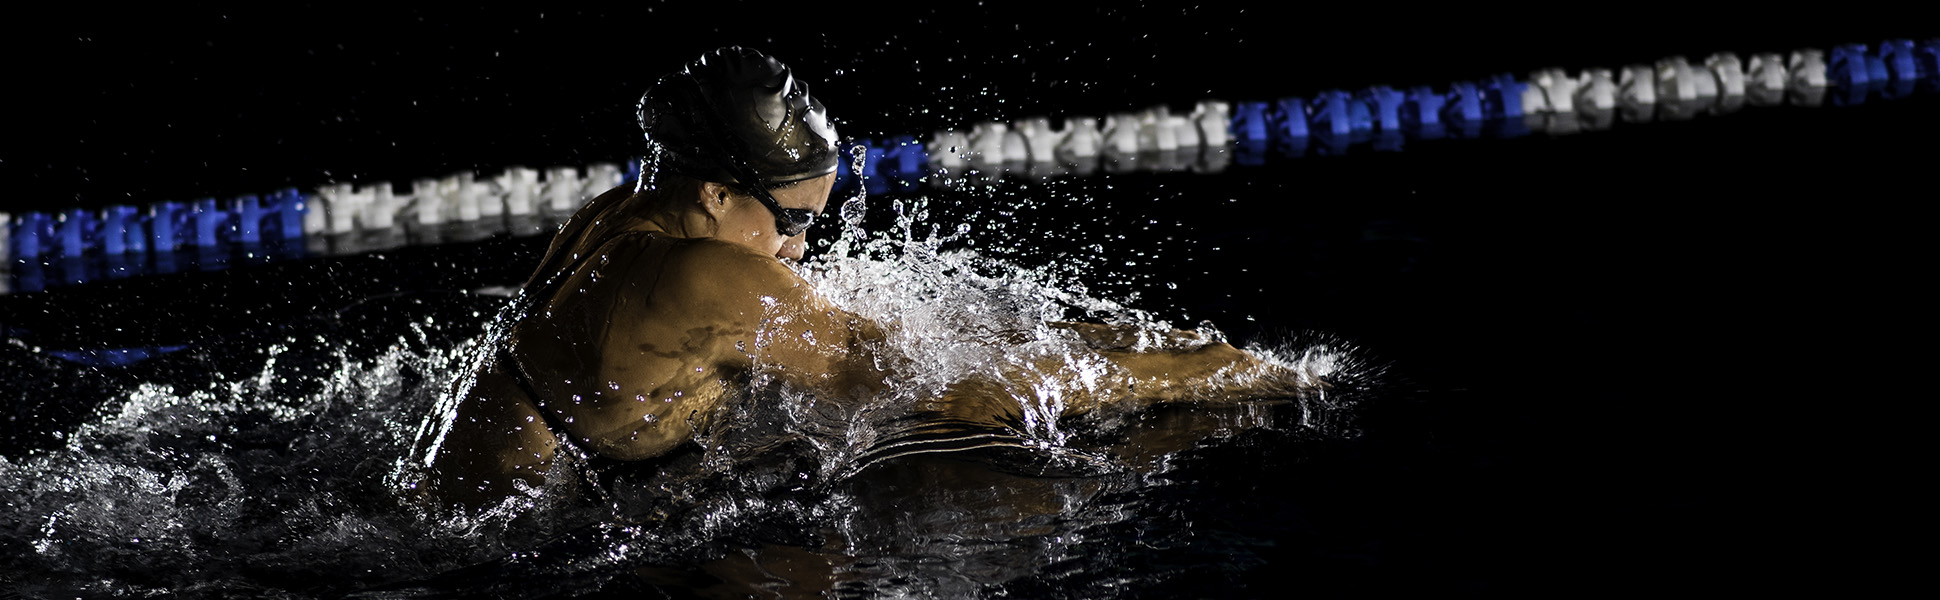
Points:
(635, 350)
(632, 352)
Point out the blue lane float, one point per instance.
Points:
(1384, 107)
(29, 234)
(1421, 113)
(1250, 125)
(1464, 108)
(165, 221)
(113, 357)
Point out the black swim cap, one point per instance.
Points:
(738, 116)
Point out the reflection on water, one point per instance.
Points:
(285, 473)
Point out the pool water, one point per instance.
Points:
(276, 458)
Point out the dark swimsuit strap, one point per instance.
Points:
(511, 365)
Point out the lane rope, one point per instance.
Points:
(40, 250)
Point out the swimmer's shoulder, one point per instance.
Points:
(705, 270)
(711, 258)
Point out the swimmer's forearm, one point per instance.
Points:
(1174, 375)
(1135, 379)
(1121, 337)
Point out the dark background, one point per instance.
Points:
(1656, 358)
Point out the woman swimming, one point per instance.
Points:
(653, 304)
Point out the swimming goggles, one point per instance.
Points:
(790, 222)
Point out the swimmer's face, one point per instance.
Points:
(745, 221)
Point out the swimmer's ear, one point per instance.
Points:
(714, 198)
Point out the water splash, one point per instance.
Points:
(172, 489)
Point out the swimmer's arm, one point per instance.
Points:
(1174, 366)
(792, 331)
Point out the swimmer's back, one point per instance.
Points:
(633, 349)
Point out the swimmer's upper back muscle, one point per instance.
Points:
(676, 324)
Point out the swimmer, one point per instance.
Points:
(652, 304)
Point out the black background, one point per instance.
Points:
(1656, 358)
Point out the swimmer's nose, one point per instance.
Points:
(792, 248)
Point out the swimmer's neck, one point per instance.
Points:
(654, 213)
